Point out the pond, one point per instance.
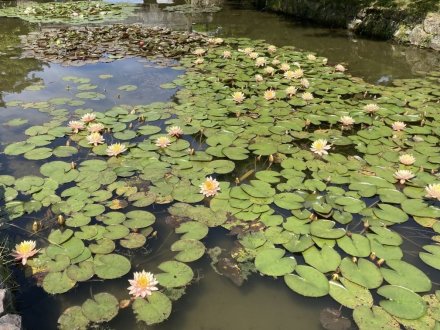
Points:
(342, 203)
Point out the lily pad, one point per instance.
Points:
(309, 282)
(273, 263)
(102, 308)
(176, 274)
(402, 302)
(154, 310)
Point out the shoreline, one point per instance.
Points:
(409, 25)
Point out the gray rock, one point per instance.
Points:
(419, 37)
(431, 24)
(435, 42)
(10, 322)
(5, 301)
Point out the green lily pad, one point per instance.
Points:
(133, 241)
(402, 302)
(309, 282)
(154, 310)
(73, 317)
(273, 263)
(350, 294)
(176, 274)
(102, 246)
(81, 272)
(432, 256)
(326, 260)
(324, 229)
(356, 245)
(102, 308)
(192, 230)
(109, 266)
(139, 219)
(189, 250)
(406, 275)
(363, 272)
(375, 318)
(57, 282)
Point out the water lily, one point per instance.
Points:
(199, 61)
(215, 41)
(175, 131)
(116, 149)
(253, 55)
(95, 139)
(269, 70)
(298, 73)
(275, 62)
(227, 54)
(324, 61)
(210, 187)
(76, 125)
(291, 90)
(306, 96)
(199, 52)
(346, 120)
(371, 108)
(259, 78)
(25, 250)
(284, 67)
(311, 57)
(260, 61)
(289, 75)
(340, 68)
(163, 142)
(272, 49)
(433, 191)
(238, 97)
(29, 10)
(398, 126)
(248, 50)
(95, 128)
(270, 95)
(305, 83)
(143, 284)
(88, 117)
(407, 159)
(403, 175)
(320, 147)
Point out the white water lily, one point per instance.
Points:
(320, 147)
(407, 159)
(403, 175)
(433, 191)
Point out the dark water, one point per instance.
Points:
(213, 302)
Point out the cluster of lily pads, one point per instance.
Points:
(77, 12)
(307, 167)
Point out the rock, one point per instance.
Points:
(435, 42)
(431, 24)
(10, 322)
(5, 300)
(418, 36)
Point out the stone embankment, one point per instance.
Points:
(417, 26)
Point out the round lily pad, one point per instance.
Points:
(73, 317)
(188, 250)
(273, 263)
(154, 310)
(57, 282)
(402, 302)
(133, 241)
(102, 308)
(109, 266)
(176, 274)
(309, 282)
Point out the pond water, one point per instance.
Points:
(212, 302)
